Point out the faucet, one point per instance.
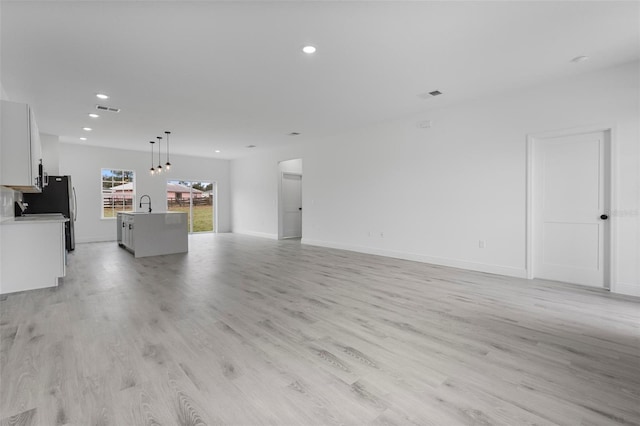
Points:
(149, 202)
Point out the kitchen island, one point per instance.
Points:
(153, 234)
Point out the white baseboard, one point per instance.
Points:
(454, 263)
(94, 240)
(627, 289)
(256, 234)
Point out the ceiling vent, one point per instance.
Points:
(294, 134)
(428, 95)
(107, 108)
(251, 146)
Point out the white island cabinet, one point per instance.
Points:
(32, 253)
(153, 234)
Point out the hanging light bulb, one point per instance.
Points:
(168, 164)
(159, 169)
(152, 171)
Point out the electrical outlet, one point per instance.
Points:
(482, 244)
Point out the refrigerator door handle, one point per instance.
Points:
(75, 205)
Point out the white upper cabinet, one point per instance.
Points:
(20, 148)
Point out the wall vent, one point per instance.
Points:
(107, 108)
(428, 95)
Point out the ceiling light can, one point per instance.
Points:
(308, 49)
(102, 96)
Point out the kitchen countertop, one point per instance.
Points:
(40, 218)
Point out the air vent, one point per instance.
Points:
(251, 146)
(294, 134)
(107, 108)
(428, 95)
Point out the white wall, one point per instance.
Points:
(254, 185)
(84, 163)
(291, 166)
(3, 94)
(50, 154)
(432, 194)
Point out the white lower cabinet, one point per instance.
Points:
(32, 255)
(125, 231)
(153, 234)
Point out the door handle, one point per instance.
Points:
(604, 217)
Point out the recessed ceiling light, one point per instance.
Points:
(579, 59)
(87, 129)
(102, 96)
(83, 139)
(92, 115)
(217, 150)
(309, 49)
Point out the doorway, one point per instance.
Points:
(569, 235)
(197, 199)
(290, 205)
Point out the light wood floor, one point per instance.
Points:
(248, 331)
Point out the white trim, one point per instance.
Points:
(416, 257)
(133, 193)
(85, 240)
(612, 190)
(214, 189)
(280, 212)
(255, 234)
(628, 289)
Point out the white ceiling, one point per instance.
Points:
(223, 75)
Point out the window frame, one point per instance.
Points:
(125, 172)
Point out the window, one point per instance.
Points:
(196, 199)
(118, 192)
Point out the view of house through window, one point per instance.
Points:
(197, 199)
(118, 191)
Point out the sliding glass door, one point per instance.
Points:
(197, 199)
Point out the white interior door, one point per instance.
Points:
(570, 236)
(292, 205)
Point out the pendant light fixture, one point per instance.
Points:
(152, 171)
(168, 164)
(159, 169)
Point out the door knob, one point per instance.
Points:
(604, 217)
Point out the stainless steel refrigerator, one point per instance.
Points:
(59, 196)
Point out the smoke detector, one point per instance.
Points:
(107, 108)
